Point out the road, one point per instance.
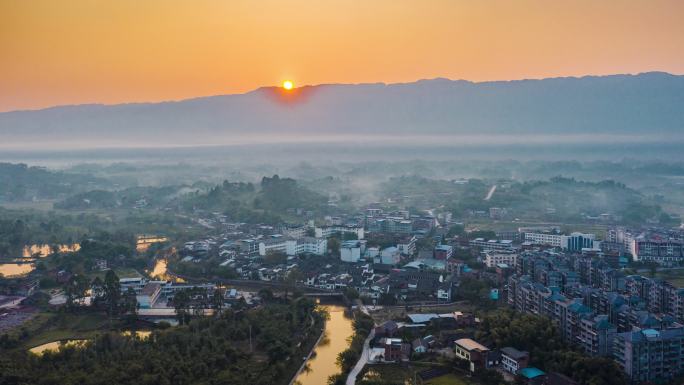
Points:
(363, 360)
(490, 193)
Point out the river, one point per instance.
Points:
(323, 363)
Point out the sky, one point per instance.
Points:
(97, 51)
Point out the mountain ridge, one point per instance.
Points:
(650, 103)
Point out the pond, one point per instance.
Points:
(323, 362)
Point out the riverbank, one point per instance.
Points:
(348, 359)
(323, 362)
(312, 349)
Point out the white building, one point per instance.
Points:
(554, 240)
(149, 295)
(492, 259)
(575, 241)
(328, 231)
(389, 256)
(407, 246)
(295, 232)
(306, 245)
(273, 245)
(351, 251)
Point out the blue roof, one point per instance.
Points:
(531, 372)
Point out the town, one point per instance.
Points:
(429, 284)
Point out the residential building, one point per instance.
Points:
(473, 352)
(407, 245)
(389, 256)
(306, 245)
(273, 245)
(650, 355)
(491, 244)
(329, 231)
(492, 258)
(512, 359)
(443, 252)
(597, 335)
(351, 251)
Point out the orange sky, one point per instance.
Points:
(84, 51)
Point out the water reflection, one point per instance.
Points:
(323, 364)
(16, 269)
(45, 250)
(145, 241)
(55, 345)
(142, 334)
(160, 271)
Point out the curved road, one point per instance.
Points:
(365, 354)
(363, 360)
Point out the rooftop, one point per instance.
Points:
(514, 353)
(469, 344)
(531, 372)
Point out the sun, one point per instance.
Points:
(288, 85)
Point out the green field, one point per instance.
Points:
(401, 375)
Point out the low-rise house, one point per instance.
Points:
(513, 360)
(419, 346)
(473, 352)
(395, 349)
(387, 329)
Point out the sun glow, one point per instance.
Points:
(288, 85)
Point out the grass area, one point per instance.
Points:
(676, 277)
(48, 327)
(45, 205)
(405, 375)
(389, 374)
(121, 272)
(448, 379)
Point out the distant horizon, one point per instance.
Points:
(82, 51)
(297, 86)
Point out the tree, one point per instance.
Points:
(217, 300)
(112, 292)
(334, 246)
(75, 290)
(387, 299)
(275, 258)
(97, 287)
(291, 279)
(181, 302)
(351, 293)
(266, 295)
(130, 306)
